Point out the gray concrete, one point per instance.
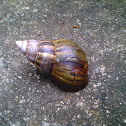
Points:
(29, 99)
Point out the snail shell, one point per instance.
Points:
(63, 59)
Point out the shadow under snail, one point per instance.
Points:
(62, 59)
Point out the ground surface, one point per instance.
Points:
(29, 99)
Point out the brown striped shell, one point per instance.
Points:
(63, 59)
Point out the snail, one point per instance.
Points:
(62, 59)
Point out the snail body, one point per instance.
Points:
(63, 59)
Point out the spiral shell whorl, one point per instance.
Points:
(70, 63)
(45, 56)
(40, 53)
